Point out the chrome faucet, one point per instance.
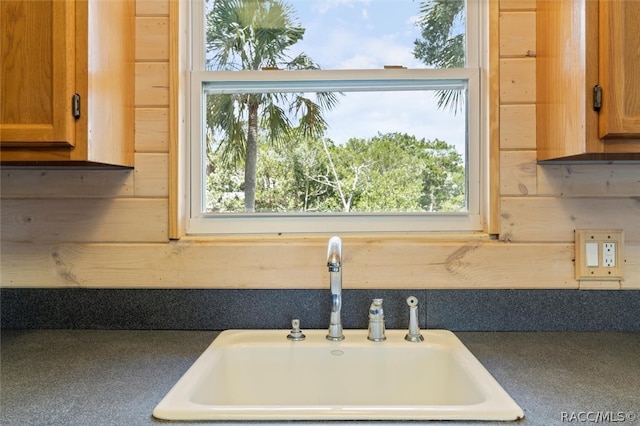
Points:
(334, 263)
(376, 322)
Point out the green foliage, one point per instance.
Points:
(443, 43)
(388, 173)
(267, 151)
(251, 35)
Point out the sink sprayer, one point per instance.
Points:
(414, 331)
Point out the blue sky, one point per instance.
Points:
(368, 34)
(356, 34)
(351, 34)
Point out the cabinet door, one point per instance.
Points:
(619, 69)
(37, 72)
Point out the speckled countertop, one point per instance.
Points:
(89, 377)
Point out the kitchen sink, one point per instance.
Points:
(262, 375)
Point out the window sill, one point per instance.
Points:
(356, 238)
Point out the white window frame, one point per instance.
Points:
(473, 220)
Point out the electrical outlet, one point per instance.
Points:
(599, 254)
(609, 255)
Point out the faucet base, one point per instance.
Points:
(414, 338)
(335, 333)
(376, 322)
(296, 334)
(376, 332)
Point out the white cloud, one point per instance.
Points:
(365, 114)
(326, 5)
(359, 33)
(344, 49)
(368, 34)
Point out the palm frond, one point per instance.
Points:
(275, 121)
(452, 99)
(225, 121)
(311, 123)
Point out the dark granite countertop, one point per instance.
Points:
(91, 377)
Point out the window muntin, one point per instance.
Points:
(205, 219)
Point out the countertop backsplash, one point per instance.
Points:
(220, 309)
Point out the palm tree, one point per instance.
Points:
(441, 45)
(253, 35)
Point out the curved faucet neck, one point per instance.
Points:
(334, 264)
(334, 254)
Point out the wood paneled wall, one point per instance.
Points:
(97, 228)
(545, 203)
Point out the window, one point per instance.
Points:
(336, 116)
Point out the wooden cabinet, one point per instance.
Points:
(588, 51)
(67, 75)
(619, 68)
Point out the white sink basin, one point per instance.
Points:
(261, 375)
